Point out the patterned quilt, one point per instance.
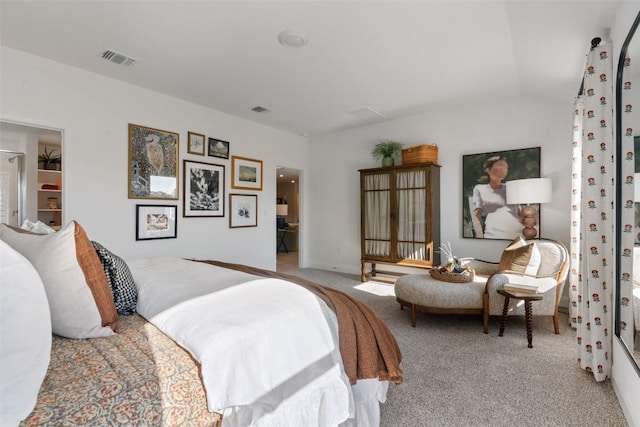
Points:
(136, 377)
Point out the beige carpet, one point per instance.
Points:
(455, 375)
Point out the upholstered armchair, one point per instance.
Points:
(541, 262)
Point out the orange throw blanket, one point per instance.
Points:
(367, 346)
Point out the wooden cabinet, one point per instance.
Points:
(400, 217)
(50, 197)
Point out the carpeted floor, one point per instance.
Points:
(455, 375)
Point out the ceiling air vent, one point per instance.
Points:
(118, 58)
(367, 115)
(260, 109)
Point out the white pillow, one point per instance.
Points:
(534, 261)
(25, 336)
(77, 289)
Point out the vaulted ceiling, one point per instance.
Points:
(395, 58)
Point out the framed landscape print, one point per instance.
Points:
(153, 163)
(243, 210)
(196, 143)
(485, 176)
(218, 148)
(246, 173)
(156, 222)
(203, 189)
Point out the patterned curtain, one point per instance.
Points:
(593, 227)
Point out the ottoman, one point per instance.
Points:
(421, 292)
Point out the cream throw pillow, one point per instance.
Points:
(77, 289)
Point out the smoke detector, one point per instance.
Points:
(118, 58)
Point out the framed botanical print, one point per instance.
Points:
(196, 143)
(485, 177)
(246, 173)
(153, 163)
(156, 222)
(203, 189)
(243, 210)
(218, 148)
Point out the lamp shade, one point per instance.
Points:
(282, 210)
(527, 191)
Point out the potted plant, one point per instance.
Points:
(387, 150)
(48, 160)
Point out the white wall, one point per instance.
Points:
(94, 113)
(457, 128)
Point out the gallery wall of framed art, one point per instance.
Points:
(153, 174)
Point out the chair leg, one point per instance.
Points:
(485, 313)
(556, 324)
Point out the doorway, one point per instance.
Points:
(288, 219)
(33, 191)
(11, 190)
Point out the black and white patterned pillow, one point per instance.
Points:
(123, 288)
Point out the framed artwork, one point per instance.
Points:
(243, 210)
(203, 189)
(246, 173)
(196, 143)
(485, 176)
(153, 163)
(218, 148)
(156, 222)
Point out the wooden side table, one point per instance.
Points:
(527, 310)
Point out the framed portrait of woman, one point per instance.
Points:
(485, 177)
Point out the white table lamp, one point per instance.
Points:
(526, 192)
(282, 210)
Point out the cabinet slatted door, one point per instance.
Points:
(400, 217)
(377, 225)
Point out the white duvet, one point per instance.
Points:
(268, 348)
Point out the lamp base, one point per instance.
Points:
(529, 220)
(529, 233)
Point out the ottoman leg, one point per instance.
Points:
(413, 315)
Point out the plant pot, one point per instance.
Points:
(387, 161)
(50, 166)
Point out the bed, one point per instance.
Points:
(210, 344)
